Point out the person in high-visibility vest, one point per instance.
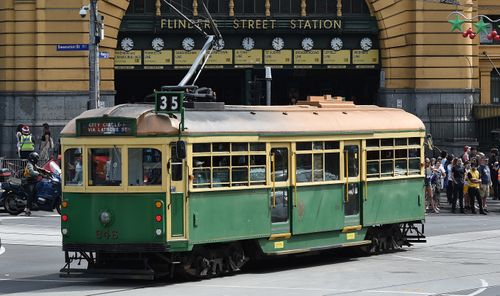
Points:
(26, 142)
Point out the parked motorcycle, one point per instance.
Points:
(47, 193)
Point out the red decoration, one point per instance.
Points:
(490, 36)
(465, 34)
(494, 33)
(469, 31)
(472, 35)
(497, 37)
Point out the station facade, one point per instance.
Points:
(395, 53)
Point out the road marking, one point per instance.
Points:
(409, 258)
(484, 285)
(399, 292)
(2, 250)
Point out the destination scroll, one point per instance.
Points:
(153, 57)
(133, 57)
(362, 57)
(311, 57)
(336, 57)
(248, 57)
(278, 57)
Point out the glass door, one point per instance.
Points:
(352, 190)
(279, 195)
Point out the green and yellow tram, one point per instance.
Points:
(148, 194)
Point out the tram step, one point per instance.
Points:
(136, 274)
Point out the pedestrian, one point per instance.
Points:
(26, 142)
(493, 163)
(458, 177)
(485, 175)
(18, 139)
(474, 182)
(448, 183)
(466, 186)
(428, 187)
(465, 156)
(46, 145)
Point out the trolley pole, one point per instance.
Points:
(269, 78)
(94, 39)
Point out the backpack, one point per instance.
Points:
(26, 172)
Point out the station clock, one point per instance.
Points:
(336, 44)
(157, 44)
(188, 43)
(248, 43)
(219, 44)
(366, 43)
(278, 43)
(307, 43)
(127, 44)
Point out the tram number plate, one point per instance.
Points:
(106, 234)
(169, 101)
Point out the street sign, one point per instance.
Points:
(104, 55)
(71, 47)
(169, 101)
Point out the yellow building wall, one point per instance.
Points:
(29, 33)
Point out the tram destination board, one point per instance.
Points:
(115, 126)
(169, 101)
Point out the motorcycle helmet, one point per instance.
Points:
(25, 129)
(33, 157)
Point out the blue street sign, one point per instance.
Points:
(69, 47)
(104, 55)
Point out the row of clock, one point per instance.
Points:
(248, 43)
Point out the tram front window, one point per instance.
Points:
(105, 167)
(73, 171)
(144, 167)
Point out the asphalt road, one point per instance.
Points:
(462, 257)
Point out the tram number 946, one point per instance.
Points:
(168, 102)
(106, 234)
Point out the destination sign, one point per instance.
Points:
(368, 57)
(222, 57)
(133, 57)
(278, 57)
(184, 57)
(311, 57)
(336, 57)
(248, 57)
(106, 127)
(153, 57)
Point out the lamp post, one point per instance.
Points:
(96, 34)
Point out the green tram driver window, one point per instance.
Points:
(144, 167)
(73, 170)
(105, 166)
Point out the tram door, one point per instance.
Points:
(280, 193)
(352, 187)
(176, 198)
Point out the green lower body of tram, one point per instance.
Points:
(128, 235)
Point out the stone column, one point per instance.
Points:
(195, 7)
(158, 7)
(231, 7)
(339, 7)
(303, 7)
(268, 7)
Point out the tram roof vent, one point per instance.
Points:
(326, 101)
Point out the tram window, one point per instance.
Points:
(304, 145)
(332, 169)
(414, 166)
(318, 167)
(221, 161)
(386, 154)
(221, 177)
(240, 160)
(386, 168)
(220, 147)
(176, 165)
(239, 176)
(257, 146)
(304, 168)
(373, 155)
(105, 167)
(318, 146)
(144, 167)
(401, 142)
(279, 205)
(239, 147)
(257, 169)
(400, 167)
(73, 170)
(387, 142)
(331, 145)
(401, 153)
(372, 168)
(414, 141)
(373, 143)
(353, 160)
(414, 152)
(281, 164)
(203, 147)
(201, 172)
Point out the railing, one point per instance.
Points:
(451, 122)
(16, 166)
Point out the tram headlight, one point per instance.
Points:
(158, 232)
(64, 231)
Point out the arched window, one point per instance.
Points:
(354, 7)
(249, 6)
(495, 87)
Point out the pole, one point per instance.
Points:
(269, 78)
(94, 95)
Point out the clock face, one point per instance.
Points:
(157, 44)
(307, 43)
(278, 43)
(127, 44)
(248, 43)
(366, 43)
(336, 43)
(188, 43)
(219, 44)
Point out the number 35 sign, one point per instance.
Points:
(169, 101)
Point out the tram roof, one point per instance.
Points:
(260, 120)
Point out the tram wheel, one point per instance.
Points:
(236, 257)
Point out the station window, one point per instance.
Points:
(354, 7)
(249, 6)
(392, 157)
(73, 170)
(495, 87)
(229, 164)
(105, 167)
(317, 161)
(144, 167)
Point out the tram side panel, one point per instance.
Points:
(394, 201)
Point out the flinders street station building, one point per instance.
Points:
(438, 59)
